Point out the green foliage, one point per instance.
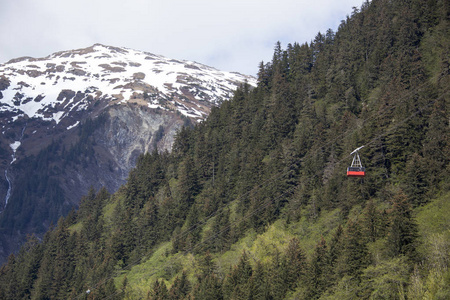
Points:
(40, 200)
(159, 291)
(402, 232)
(237, 283)
(319, 271)
(353, 255)
(386, 280)
(431, 280)
(253, 203)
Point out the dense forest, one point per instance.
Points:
(254, 202)
(41, 199)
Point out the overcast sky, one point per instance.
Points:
(230, 35)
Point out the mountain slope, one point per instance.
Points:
(255, 202)
(81, 118)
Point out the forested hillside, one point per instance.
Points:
(254, 203)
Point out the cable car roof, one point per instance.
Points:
(356, 150)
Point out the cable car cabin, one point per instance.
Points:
(356, 172)
(356, 169)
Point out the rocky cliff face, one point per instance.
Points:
(125, 132)
(79, 119)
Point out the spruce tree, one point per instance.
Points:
(159, 291)
(259, 288)
(237, 284)
(319, 271)
(354, 254)
(296, 266)
(402, 232)
(180, 288)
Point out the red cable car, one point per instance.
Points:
(356, 169)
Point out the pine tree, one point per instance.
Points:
(188, 186)
(210, 288)
(57, 267)
(416, 184)
(237, 283)
(296, 266)
(354, 255)
(148, 233)
(206, 266)
(9, 284)
(371, 222)
(278, 276)
(180, 288)
(159, 291)
(336, 248)
(259, 288)
(436, 147)
(27, 266)
(319, 271)
(402, 232)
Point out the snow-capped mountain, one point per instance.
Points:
(52, 87)
(81, 118)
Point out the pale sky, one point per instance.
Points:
(230, 35)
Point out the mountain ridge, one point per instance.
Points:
(255, 202)
(118, 74)
(138, 101)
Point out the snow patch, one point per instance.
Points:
(17, 117)
(58, 116)
(15, 145)
(73, 126)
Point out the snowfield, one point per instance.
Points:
(51, 87)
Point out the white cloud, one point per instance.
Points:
(232, 35)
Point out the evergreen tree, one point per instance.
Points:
(436, 147)
(27, 263)
(402, 232)
(279, 276)
(354, 255)
(336, 248)
(208, 289)
(9, 285)
(206, 266)
(57, 267)
(180, 288)
(415, 180)
(188, 186)
(296, 266)
(319, 271)
(259, 288)
(237, 283)
(272, 152)
(370, 222)
(159, 291)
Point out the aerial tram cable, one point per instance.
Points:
(263, 205)
(272, 179)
